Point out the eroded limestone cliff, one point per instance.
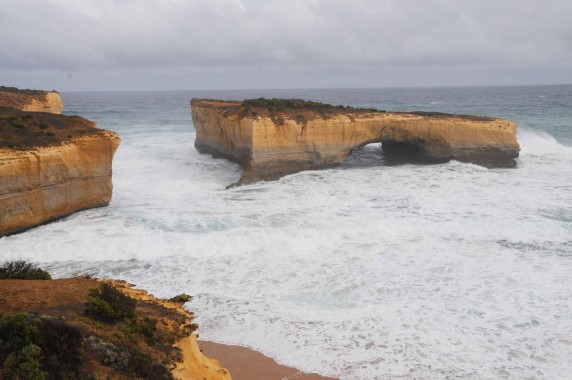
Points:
(31, 100)
(192, 364)
(272, 138)
(51, 166)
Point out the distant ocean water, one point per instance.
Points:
(363, 271)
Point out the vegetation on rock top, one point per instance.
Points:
(38, 348)
(24, 91)
(57, 341)
(297, 109)
(109, 304)
(21, 129)
(277, 104)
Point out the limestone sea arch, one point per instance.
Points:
(272, 138)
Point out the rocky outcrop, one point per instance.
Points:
(121, 350)
(192, 363)
(51, 166)
(272, 138)
(195, 365)
(31, 100)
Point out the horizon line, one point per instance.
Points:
(333, 88)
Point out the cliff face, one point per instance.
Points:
(273, 138)
(50, 167)
(31, 100)
(192, 364)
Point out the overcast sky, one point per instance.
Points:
(228, 44)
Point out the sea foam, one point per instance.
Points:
(363, 271)
(540, 143)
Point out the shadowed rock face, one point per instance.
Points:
(51, 166)
(31, 100)
(272, 138)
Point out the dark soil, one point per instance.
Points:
(22, 130)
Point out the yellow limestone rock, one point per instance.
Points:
(193, 364)
(31, 100)
(272, 138)
(51, 166)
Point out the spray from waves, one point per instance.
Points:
(538, 143)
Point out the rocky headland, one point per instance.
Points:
(272, 138)
(31, 100)
(88, 328)
(156, 342)
(51, 166)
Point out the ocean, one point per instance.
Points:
(363, 271)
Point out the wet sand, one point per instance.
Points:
(246, 364)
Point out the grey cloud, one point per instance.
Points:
(101, 34)
(81, 35)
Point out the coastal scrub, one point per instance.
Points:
(22, 270)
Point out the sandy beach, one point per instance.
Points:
(246, 364)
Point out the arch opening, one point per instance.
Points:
(407, 152)
(389, 153)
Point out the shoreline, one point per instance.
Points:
(65, 298)
(244, 363)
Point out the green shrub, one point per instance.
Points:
(97, 307)
(128, 358)
(109, 304)
(22, 270)
(60, 343)
(19, 354)
(37, 349)
(24, 364)
(16, 332)
(133, 361)
(147, 327)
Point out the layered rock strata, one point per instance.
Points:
(31, 100)
(272, 138)
(51, 166)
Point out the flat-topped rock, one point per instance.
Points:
(272, 138)
(31, 100)
(51, 166)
